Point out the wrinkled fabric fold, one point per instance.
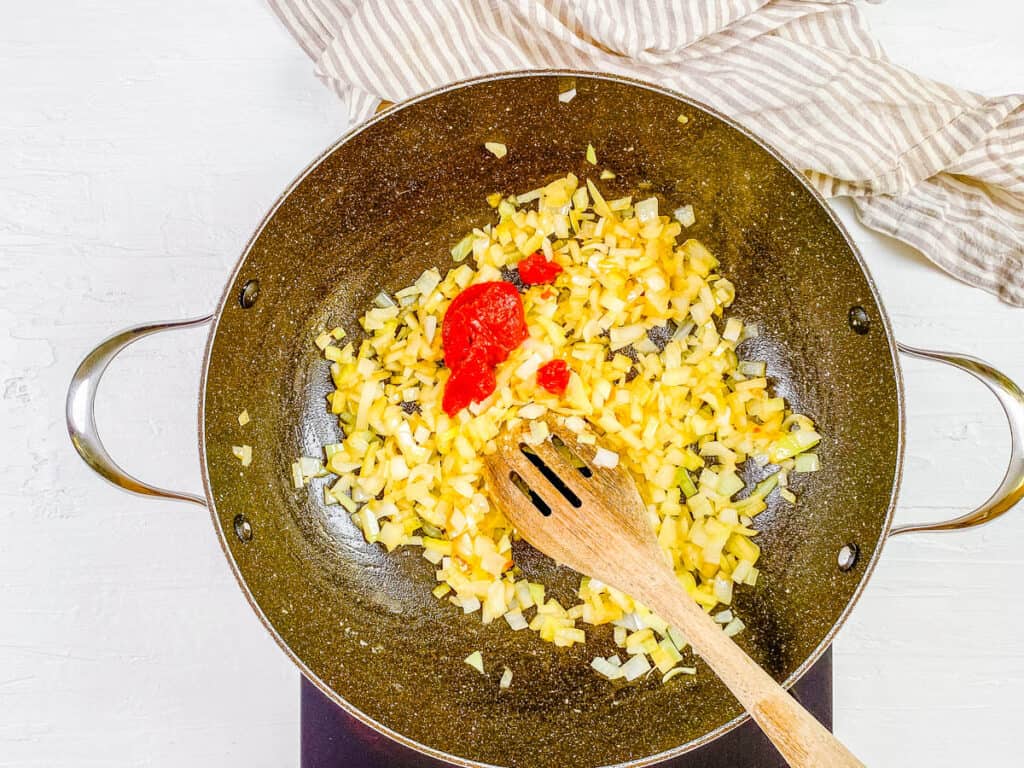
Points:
(939, 168)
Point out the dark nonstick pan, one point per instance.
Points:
(389, 200)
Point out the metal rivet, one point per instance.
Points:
(250, 292)
(859, 320)
(848, 557)
(243, 528)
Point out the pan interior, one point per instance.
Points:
(390, 201)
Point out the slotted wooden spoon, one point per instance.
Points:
(597, 525)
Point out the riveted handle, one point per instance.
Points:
(1010, 396)
(81, 410)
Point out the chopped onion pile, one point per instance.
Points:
(655, 378)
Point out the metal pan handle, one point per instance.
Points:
(1011, 490)
(81, 409)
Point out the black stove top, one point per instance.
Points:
(331, 738)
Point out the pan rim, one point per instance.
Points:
(227, 295)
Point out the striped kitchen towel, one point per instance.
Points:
(937, 167)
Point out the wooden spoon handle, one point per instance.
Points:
(799, 737)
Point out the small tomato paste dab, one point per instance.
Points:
(554, 376)
(482, 326)
(535, 269)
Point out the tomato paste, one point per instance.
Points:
(482, 326)
(554, 376)
(535, 269)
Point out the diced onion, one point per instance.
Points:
(625, 335)
(646, 210)
(734, 627)
(591, 154)
(430, 328)
(311, 467)
(676, 671)
(678, 638)
(539, 432)
(566, 96)
(366, 520)
(476, 661)
(606, 669)
(496, 148)
(723, 590)
(463, 248)
(428, 281)
(645, 346)
(635, 667)
(733, 329)
(516, 620)
(793, 443)
(575, 424)
(631, 622)
(684, 215)
(506, 678)
(532, 411)
(243, 418)
(683, 331)
(806, 462)
(605, 458)
(243, 453)
(756, 368)
(383, 300)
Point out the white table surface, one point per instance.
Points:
(139, 144)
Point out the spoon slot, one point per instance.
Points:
(570, 456)
(550, 475)
(528, 492)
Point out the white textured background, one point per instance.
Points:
(139, 144)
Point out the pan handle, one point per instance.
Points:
(1011, 489)
(81, 409)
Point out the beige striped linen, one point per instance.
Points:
(937, 167)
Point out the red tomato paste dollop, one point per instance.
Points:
(554, 376)
(535, 269)
(482, 326)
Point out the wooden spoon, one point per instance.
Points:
(599, 526)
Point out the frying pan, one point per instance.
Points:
(388, 201)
